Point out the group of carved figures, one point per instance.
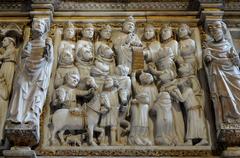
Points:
(101, 98)
(98, 90)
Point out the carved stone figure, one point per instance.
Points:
(65, 65)
(124, 92)
(187, 46)
(139, 134)
(31, 86)
(68, 39)
(126, 42)
(151, 46)
(7, 69)
(169, 84)
(104, 61)
(105, 37)
(76, 121)
(110, 119)
(70, 92)
(167, 40)
(223, 68)
(196, 127)
(4, 96)
(143, 82)
(164, 125)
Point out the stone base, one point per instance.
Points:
(19, 152)
(231, 152)
(22, 134)
(229, 134)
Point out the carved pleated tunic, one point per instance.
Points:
(195, 116)
(111, 118)
(30, 90)
(225, 78)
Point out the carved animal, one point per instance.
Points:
(74, 140)
(63, 119)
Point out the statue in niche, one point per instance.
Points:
(196, 126)
(167, 40)
(139, 132)
(98, 104)
(127, 43)
(187, 46)
(105, 37)
(31, 85)
(65, 65)
(110, 119)
(7, 69)
(143, 82)
(223, 67)
(4, 96)
(151, 46)
(164, 125)
(68, 39)
(170, 84)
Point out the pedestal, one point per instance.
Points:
(19, 152)
(231, 152)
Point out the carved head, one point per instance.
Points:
(184, 30)
(108, 83)
(39, 26)
(217, 29)
(90, 82)
(106, 32)
(146, 78)
(167, 75)
(66, 57)
(122, 70)
(88, 31)
(7, 41)
(149, 32)
(85, 52)
(72, 79)
(185, 69)
(166, 32)
(129, 25)
(143, 98)
(105, 51)
(69, 31)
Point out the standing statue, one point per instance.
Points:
(139, 132)
(31, 85)
(110, 119)
(187, 46)
(164, 124)
(126, 43)
(7, 71)
(196, 126)
(68, 38)
(223, 67)
(143, 82)
(151, 46)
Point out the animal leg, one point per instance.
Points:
(60, 135)
(90, 133)
(101, 131)
(52, 139)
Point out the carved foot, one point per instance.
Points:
(188, 143)
(202, 142)
(92, 143)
